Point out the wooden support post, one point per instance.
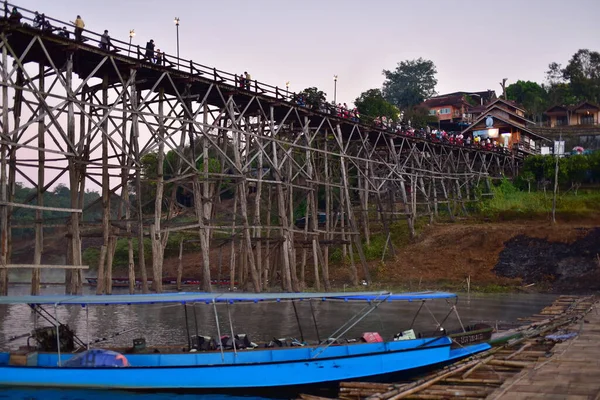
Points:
(413, 195)
(363, 184)
(100, 289)
(39, 214)
(180, 264)
(73, 278)
(328, 208)
(257, 231)
(4, 227)
(232, 246)
(459, 197)
(126, 164)
(290, 204)
(311, 210)
(351, 219)
(447, 198)
(12, 172)
(155, 230)
(203, 233)
(283, 218)
(203, 207)
(135, 133)
(269, 250)
(435, 198)
(407, 209)
(78, 179)
(242, 189)
(339, 213)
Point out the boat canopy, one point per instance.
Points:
(209, 298)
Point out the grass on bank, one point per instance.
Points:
(508, 202)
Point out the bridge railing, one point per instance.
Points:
(65, 31)
(58, 27)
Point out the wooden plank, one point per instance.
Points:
(19, 205)
(43, 266)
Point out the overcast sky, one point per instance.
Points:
(473, 43)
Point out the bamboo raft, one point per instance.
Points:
(478, 376)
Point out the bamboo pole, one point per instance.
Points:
(404, 392)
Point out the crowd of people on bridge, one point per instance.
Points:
(39, 21)
(403, 128)
(244, 81)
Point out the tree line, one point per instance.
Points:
(577, 82)
(406, 87)
(59, 197)
(402, 91)
(538, 171)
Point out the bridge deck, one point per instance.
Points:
(87, 57)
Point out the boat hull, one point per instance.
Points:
(277, 368)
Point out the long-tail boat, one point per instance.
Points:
(60, 359)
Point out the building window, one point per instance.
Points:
(562, 121)
(445, 111)
(587, 119)
(431, 112)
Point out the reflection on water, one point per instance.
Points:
(165, 324)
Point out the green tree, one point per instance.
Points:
(578, 170)
(530, 95)
(578, 81)
(559, 94)
(313, 97)
(583, 74)
(371, 104)
(419, 117)
(410, 83)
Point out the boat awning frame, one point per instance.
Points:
(228, 298)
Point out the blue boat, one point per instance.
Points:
(228, 365)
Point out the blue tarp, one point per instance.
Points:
(561, 337)
(97, 358)
(209, 298)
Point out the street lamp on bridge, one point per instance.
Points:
(176, 20)
(131, 35)
(335, 89)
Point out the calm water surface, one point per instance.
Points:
(165, 324)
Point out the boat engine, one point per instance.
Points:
(203, 343)
(46, 338)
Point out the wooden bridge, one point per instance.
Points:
(74, 112)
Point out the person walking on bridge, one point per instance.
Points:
(105, 41)
(150, 50)
(79, 25)
(247, 80)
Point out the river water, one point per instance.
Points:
(165, 324)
